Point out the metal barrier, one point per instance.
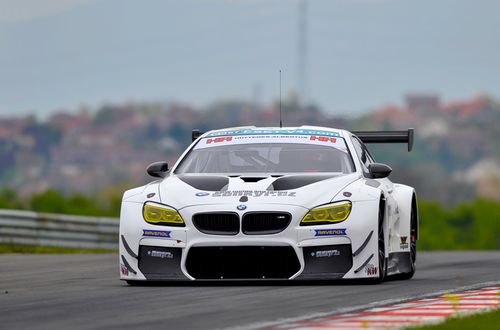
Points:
(43, 229)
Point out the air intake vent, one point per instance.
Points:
(242, 262)
(265, 223)
(217, 223)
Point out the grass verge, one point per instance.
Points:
(482, 321)
(12, 248)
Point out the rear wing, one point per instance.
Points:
(387, 137)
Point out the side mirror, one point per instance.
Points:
(379, 171)
(158, 169)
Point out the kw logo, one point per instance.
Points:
(371, 270)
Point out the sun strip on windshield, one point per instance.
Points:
(328, 141)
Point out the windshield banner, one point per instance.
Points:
(328, 141)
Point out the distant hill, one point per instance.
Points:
(456, 154)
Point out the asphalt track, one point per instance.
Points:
(83, 292)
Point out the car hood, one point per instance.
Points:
(306, 190)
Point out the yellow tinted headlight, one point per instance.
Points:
(162, 215)
(332, 213)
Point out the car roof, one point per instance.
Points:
(254, 130)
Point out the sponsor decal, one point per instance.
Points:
(156, 233)
(330, 232)
(371, 269)
(241, 207)
(201, 194)
(254, 193)
(161, 254)
(307, 139)
(219, 139)
(322, 139)
(273, 132)
(404, 242)
(325, 254)
(124, 270)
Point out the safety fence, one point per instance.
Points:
(43, 229)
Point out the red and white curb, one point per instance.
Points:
(411, 313)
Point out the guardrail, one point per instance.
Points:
(33, 228)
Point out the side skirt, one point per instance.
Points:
(399, 262)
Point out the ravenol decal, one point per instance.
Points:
(156, 233)
(273, 131)
(330, 232)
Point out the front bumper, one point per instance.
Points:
(344, 250)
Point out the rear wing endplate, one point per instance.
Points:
(195, 134)
(387, 137)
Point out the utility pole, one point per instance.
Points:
(302, 52)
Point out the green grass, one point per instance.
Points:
(11, 248)
(484, 321)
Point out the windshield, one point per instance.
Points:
(268, 154)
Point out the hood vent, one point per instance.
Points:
(205, 182)
(297, 181)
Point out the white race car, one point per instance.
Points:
(271, 203)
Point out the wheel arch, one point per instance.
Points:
(407, 203)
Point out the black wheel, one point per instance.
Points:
(382, 260)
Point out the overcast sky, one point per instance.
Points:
(58, 54)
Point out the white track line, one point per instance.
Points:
(446, 298)
(402, 315)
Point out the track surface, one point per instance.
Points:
(83, 292)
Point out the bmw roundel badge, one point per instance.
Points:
(201, 194)
(241, 207)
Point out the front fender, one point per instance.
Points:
(404, 196)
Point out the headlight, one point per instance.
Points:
(327, 214)
(162, 215)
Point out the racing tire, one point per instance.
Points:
(382, 260)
